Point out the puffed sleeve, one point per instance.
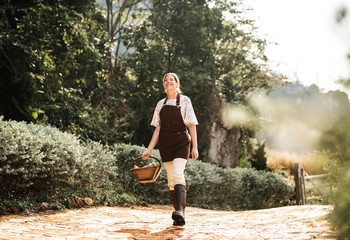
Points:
(156, 119)
(190, 116)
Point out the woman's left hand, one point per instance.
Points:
(195, 154)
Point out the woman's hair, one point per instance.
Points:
(178, 90)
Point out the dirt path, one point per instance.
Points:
(154, 222)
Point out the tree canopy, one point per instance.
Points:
(210, 52)
(56, 59)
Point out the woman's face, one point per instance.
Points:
(170, 83)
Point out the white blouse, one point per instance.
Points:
(187, 111)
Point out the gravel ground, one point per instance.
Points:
(154, 222)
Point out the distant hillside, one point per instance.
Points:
(299, 115)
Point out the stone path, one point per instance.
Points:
(154, 222)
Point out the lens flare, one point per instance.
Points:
(286, 123)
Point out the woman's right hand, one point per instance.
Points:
(146, 155)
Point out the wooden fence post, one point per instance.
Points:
(303, 187)
(298, 184)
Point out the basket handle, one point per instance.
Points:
(136, 159)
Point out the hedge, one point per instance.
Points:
(208, 185)
(41, 164)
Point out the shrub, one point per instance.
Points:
(339, 168)
(43, 164)
(208, 185)
(40, 163)
(340, 215)
(211, 186)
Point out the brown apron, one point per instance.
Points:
(174, 141)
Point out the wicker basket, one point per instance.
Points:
(145, 174)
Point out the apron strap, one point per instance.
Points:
(166, 99)
(178, 101)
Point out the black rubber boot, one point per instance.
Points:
(173, 202)
(172, 198)
(180, 205)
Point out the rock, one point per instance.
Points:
(225, 146)
(44, 206)
(88, 201)
(25, 212)
(82, 202)
(143, 204)
(222, 143)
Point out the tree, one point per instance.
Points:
(16, 83)
(55, 53)
(217, 60)
(118, 19)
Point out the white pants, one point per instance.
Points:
(175, 172)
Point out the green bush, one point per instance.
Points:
(340, 215)
(41, 163)
(208, 185)
(340, 178)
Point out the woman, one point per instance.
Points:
(170, 118)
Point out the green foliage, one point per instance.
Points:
(55, 62)
(40, 163)
(246, 150)
(259, 159)
(16, 86)
(340, 215)
(339, 168)
(72, 113)
(210, 186)
(43, 164)
(210, 54)
(336, 141)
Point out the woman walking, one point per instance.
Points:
(172, 116)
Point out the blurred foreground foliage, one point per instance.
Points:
(337, 141)
(339, 167)
(42, 164)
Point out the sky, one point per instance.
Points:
(310, 46)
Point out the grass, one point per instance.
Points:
(312, 162)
